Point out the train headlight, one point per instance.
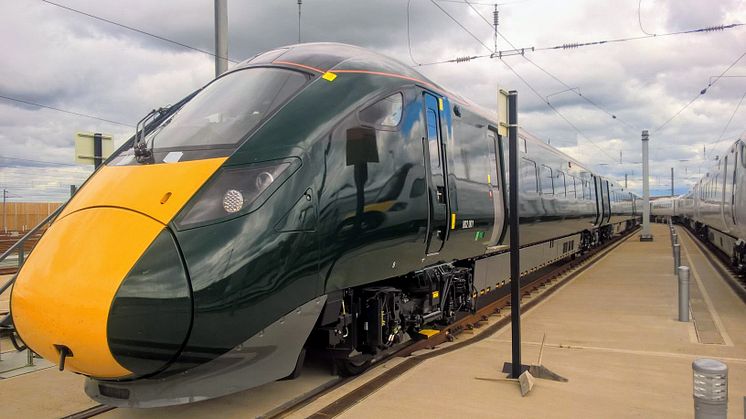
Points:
(232, 201)
(234, 191)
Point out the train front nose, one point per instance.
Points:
(109, 285)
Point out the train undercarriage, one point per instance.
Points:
(730, 246)
(363, 324)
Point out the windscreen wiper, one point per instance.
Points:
(143, 153)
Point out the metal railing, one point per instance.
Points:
(6, 323)
(18, 246)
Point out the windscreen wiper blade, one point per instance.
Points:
(143, 153)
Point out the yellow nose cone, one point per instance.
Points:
(64, 291)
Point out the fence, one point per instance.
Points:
(22, 216)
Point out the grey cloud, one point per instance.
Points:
(63, 59)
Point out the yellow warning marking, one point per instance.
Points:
(429, 332)
(453, 221)
(481, 292)
(488, 289)
(489, 179)
(436, 294)
(329, 76)
(440, 103)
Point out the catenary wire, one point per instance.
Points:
(727, 125)
(542, 98)
(140, 31)
(64, 111)
(701, 93)
(555, 110)
(575, 45)
(639, 19)
(462, 26)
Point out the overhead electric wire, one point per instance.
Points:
(701, 93)
(545, 71)
(36, 161)
(574, 45)
(581, 95)
(140, 31)
(409, 36)
(639, 19)
(462, 26)
(542, 98)
(64, 111)
(727, 125)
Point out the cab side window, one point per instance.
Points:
(384, 113)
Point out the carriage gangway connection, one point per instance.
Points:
(612, 330)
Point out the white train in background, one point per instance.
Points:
(715, 207)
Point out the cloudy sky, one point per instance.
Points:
(65, 60)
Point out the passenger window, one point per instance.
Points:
(571, 187)
(384, 113)
(527, 177)
(561, 186)
(547, 181)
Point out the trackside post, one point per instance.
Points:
(515, 258)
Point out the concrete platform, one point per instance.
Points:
(612, 331)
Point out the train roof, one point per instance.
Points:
(322, 57)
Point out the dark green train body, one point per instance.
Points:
(353, 203)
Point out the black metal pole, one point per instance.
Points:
(97, 150)
(515, 258)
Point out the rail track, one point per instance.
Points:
(721, 263)
(547, 281)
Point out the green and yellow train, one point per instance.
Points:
(317, 196)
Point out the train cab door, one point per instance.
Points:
(736, 160)
(606, 200)
(597, 197)
(434, 150)
(497, 187)
(726, 201)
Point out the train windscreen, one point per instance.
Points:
(227, 109)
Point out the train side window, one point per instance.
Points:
(432, 137)
(743, 155)
(384, 113)
(525, 146)
(527, 178)
(571, 187)
(561, 184)
(547, 181)
(492, 142)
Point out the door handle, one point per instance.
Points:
(440, 194)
